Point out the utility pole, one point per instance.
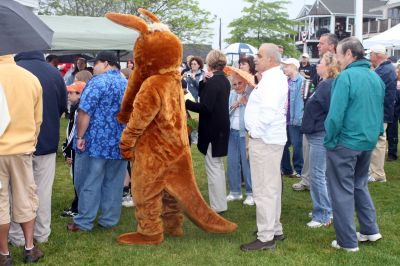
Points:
(220, 29)
(358, 21)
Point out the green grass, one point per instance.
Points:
(302, 246)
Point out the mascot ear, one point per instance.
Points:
(150, 15)
(129, 21)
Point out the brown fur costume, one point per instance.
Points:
(156, 139)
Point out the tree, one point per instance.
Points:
(184, 17)
(264, 22)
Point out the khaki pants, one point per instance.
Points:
(44, 167)
(376, 167)
(216, 181)
(265, 161)
(16, 174)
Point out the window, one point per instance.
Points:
(349, 24)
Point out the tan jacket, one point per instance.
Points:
(24, 98)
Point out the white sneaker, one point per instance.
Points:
(127, 201)
(372, 238)
(371, 179)
(249, 201)
(315, 224)
(231, 197)
(336, 245)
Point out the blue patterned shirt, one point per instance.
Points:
(101, 100)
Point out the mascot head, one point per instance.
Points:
(157, 50)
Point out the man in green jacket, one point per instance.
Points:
(353, 125)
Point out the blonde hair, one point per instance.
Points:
(333, 65)
(216, 60)
(83, 75)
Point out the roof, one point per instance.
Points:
(304, 11)
(89, 34)
(333, 7)
(196, 49)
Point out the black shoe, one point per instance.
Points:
(33, 255)
(391, 159)
(6, 260)
(276, 237)
(69, 212)
(258, 245)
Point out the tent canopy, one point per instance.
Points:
(389, 38)
(89, 34)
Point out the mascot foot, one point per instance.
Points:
(175, 232)
(136, 238)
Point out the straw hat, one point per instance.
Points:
(229, 70)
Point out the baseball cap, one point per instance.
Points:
(106, 56)
(305, 55)
(291, 61)
(77, 86)
(378, 49)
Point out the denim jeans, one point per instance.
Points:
(99, 183)
(237, 160)
(318, 186)
(295, 138)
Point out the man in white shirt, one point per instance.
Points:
(265, 119)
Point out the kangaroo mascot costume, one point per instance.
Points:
(156, 139)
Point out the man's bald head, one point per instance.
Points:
(268, 57)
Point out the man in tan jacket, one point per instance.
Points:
(23, 93)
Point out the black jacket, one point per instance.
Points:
(54, 99)
(213, 110)
(387, 73)
(317, 108)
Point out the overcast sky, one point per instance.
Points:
(229, 10)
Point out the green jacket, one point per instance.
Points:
(355, 118)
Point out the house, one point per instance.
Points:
(335, 16)
(390, 18)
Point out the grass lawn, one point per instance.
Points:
(302, 246)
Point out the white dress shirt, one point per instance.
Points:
(265, 115)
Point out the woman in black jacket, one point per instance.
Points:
(315, 112)
(214, 126)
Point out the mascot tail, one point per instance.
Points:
(183, 188)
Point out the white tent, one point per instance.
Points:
(389, 38)
(89, 34)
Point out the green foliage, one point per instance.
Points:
(184, 17)
(264, 22)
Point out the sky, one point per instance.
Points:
(229, 10)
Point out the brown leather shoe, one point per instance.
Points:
(5, 260)
(33, 255)
(258, 245)
(73, 227)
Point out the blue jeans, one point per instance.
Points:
(347, 175)
(237, 160)
(295, 138)
(318, 187)
(99, 184)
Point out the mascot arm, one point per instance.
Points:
(134, 83)
(146, 106)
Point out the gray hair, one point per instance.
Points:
(354, 45)
(332, 39)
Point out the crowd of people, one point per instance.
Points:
(334, 114)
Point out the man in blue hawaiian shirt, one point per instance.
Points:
(99, 167)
